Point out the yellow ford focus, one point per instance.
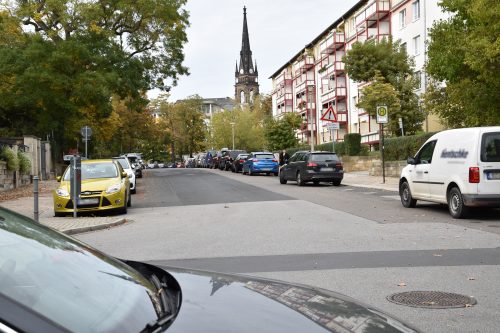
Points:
(105, 186)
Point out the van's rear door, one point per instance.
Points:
(489, 161)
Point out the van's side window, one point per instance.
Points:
(425, 154)
(490, 147)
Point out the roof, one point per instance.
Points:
(325, 32)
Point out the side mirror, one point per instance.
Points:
(411, 161)
(124, 174)
(58, 178)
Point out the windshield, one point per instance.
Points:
(69, 283)
(124, 163)
(264, 156)
(95, 171)
(324, 158)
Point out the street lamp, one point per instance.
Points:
(232, 130)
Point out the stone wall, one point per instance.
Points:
(358, 163)
(392, 169)
(12, 179)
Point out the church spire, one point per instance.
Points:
(245, 53)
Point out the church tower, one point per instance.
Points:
(246, 85)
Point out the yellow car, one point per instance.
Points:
(105, 186)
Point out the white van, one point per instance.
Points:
(459, 167)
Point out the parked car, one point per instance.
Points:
(316, 167)
(105, 186)
(228, 158)
(51, 282)
(459, 167)
(190, 163)
(200, 160)
(260, 162)
(237, 165)
(125, 164)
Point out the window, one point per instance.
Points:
(418, 78)
(490, 147)
(402, 19)
(425, 154)
(416, 45)
(416, 10)
(404, 47)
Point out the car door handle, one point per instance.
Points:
(426, 171)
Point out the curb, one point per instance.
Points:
(75, 231)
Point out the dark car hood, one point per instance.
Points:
(213, 302)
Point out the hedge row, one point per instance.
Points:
(400, 148)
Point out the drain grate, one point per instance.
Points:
(432, 299)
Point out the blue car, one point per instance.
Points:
(261, 162)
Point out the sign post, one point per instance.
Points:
(75, 181)
(382, 118)
(332, 127)
(86, 134)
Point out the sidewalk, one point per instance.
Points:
(22, 201)
(363, 179)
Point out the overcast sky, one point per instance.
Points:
(278, 30)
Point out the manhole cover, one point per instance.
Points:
(432, 299)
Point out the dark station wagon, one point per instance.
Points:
(316, 167)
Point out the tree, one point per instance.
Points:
(387, 63)
(280, 133)
(380, 92)
(75, 57)
(464, 55)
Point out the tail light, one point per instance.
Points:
(275, 160)
(241, 161)
(311, 164)
(255, 160)
(474, 175)
(339, 166)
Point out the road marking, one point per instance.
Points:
(348, 189)
(369, 192)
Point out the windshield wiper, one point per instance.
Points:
(167, 317)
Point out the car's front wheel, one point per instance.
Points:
(336, 182)
(129, 201)
(282, 178)
(456, 204)
(406, 197)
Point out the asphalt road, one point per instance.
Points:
(357, 241)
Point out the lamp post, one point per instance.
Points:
(232, 130)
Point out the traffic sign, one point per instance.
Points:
(382, 114)
(86, 132)
(329, 115)
(333, 126)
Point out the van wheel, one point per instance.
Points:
(456, 204)
(405, 194)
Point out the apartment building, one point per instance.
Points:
(315, 79)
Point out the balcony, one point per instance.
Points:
(328, 96)
(335, 68)
(375, 10)
(286, 98)
(300, 87)
(283, 79)
(370, 138)
(305, 64)
(332, 42)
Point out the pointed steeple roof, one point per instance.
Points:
(245, 54)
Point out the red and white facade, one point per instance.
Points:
(315, 78)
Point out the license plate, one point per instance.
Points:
(493, 175)
(326, 169)
(92, 201)
(266, 169)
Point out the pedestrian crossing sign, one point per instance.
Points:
(329, 115)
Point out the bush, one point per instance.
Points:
(400, 148)
(24, 163)
(10, 157)
(339, 148)
(352, 144)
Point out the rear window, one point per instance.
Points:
(490, 147)
(265, 156)
(324, 158)
(235, 153)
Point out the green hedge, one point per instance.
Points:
(352, 144)
(400, 148)
(24, 163)
(8, 155)
(339, 148)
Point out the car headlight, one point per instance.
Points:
(62, 192)
(113, 188)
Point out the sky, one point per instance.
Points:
(278, 29)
